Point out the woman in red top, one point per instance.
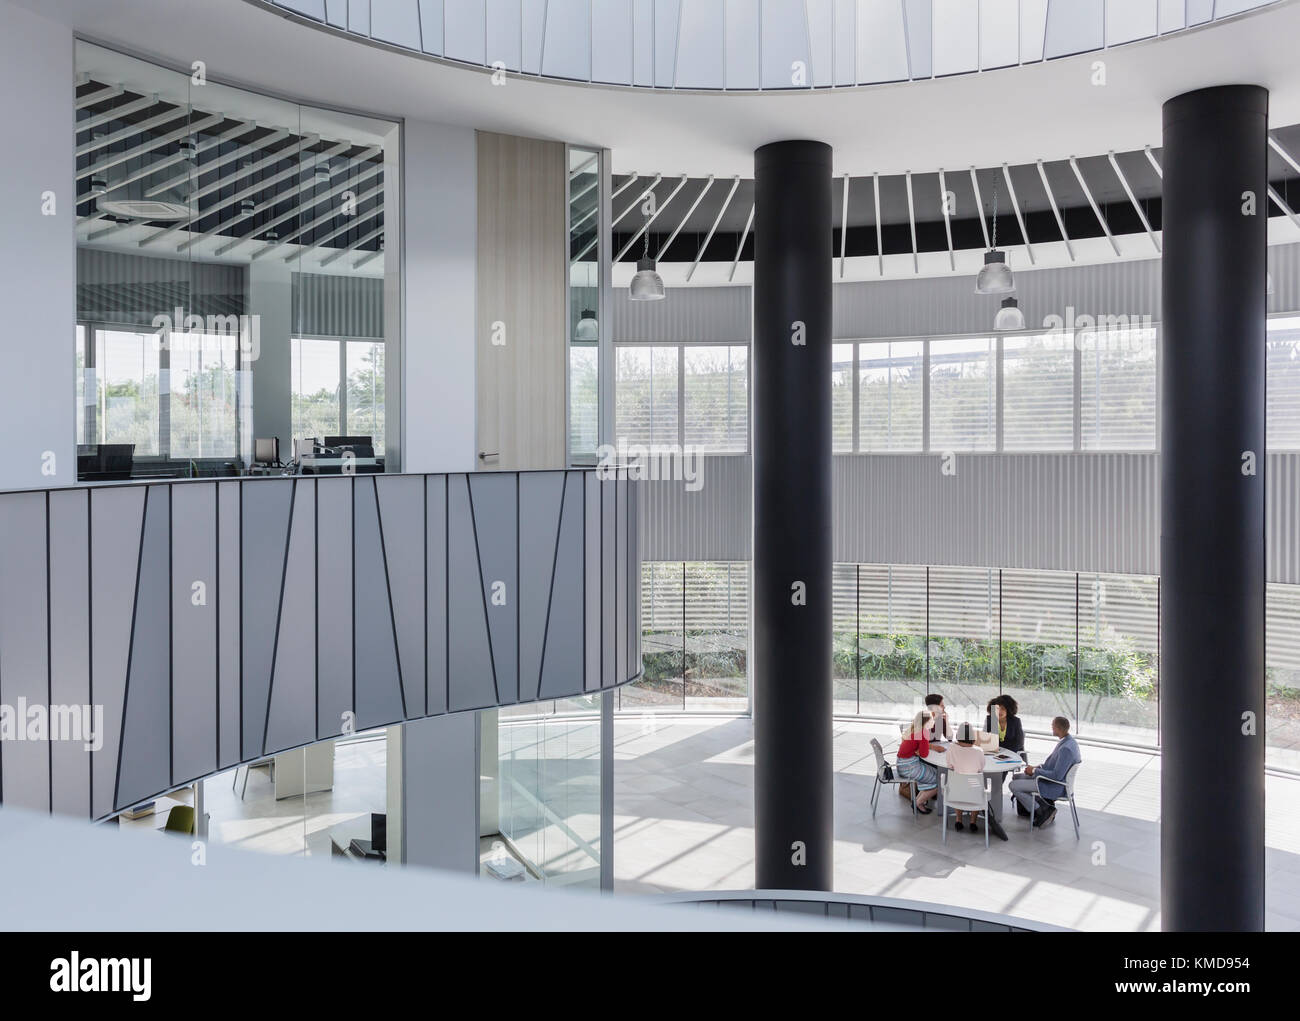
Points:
(912, 750)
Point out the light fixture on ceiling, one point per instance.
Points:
(127, 195)
(187, 150)
(995, 275)
(323, 172)
(647, 285)
(1009, 317)
(588, 329)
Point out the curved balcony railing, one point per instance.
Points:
(155, 633)
(880, 912)
(755, 45)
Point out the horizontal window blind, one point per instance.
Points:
(891, 389)
(1284, 384)
(1038, 392)
(962, 394)
(1118, 397)
(842, 398)
(646, 395)
(716, 395)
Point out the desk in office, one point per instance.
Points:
(310, 465)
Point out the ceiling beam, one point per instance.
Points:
(1056, 211)
(741, 247)
(689, 213)
(979, 203)
(735, 183)
(947, 220)
(645, 227)
(844, 222)
(1078, 174)
(880, 245)
(911, 221)
(1015, 204)
(1137, 206)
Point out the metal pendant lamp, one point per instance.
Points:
(1009, 317)
(995, 275)
(647, 285)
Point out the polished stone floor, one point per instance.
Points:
(684, 821)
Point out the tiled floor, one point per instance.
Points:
(683, 808)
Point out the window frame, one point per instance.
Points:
(682, 347)
(90, 345)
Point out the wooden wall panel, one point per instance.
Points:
(521, 287)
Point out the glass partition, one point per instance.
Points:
(585, 315)
(233, 280)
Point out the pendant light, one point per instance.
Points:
(1009, 317)
(647, 285)
(995, 275)
(588, 330)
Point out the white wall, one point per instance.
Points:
(440, 239)
(38, 252)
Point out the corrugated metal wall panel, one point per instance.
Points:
(693, 314)
(1090, 512)
(932, 306)
(711, 523)
(938, 306)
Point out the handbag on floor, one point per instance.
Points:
(905, 791)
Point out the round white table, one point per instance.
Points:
(996, 766)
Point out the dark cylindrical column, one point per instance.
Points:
(1215, 211)
(791, 372)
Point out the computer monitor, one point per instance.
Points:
(379, 832)
(101, 462)
(266, 451)
(349, 441)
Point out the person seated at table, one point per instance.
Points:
(1047, 780)
(1003, 721)
(938, 729)
(966, 757)
(912, 749)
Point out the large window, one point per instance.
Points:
(962, 394)
(695, 636)
(891, 386)
(321, 407)
(716, 397)
(1284, 383)
(123, 388)
(1038, 392)
(1118, 389)
(692, 394)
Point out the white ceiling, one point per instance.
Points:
(1016, 115)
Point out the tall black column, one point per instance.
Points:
(791, 372)
(1215, 211)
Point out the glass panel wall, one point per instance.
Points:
(1093, 389)
(586, 316)
(223, 238)
(1085, 646)
(548, 760)
(695, 638)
